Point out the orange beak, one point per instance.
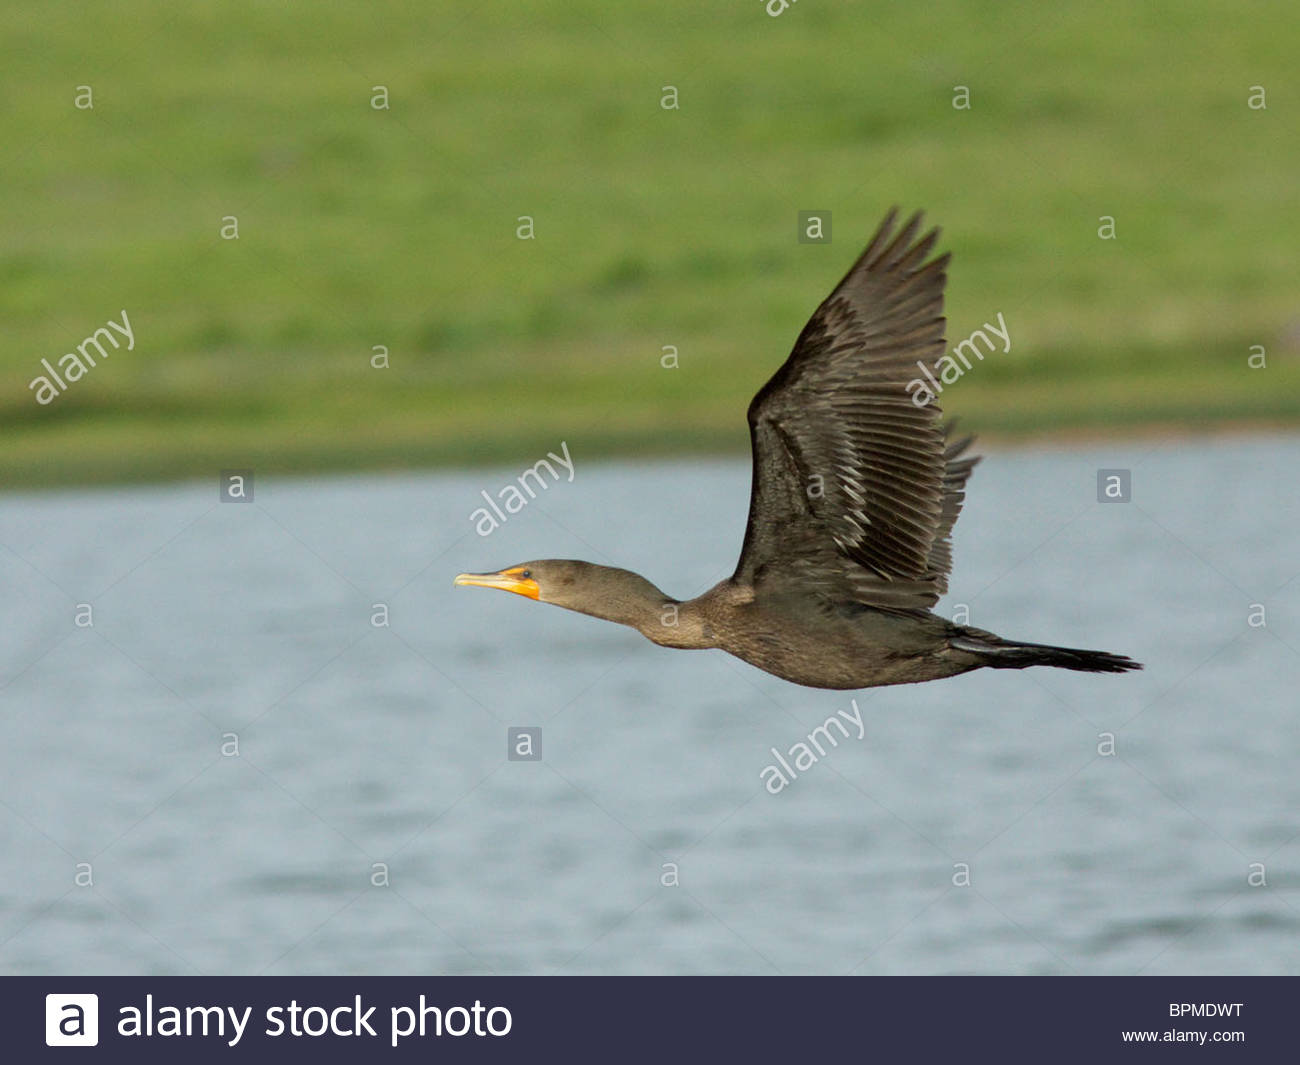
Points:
(508, 580)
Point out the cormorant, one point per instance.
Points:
(856, 487)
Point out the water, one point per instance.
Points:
(252, 625)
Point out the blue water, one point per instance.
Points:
(643, 841)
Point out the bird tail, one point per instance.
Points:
(1008, 654)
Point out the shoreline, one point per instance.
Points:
(606, 452)
(1066, 436)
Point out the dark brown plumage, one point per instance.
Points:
(855, 492)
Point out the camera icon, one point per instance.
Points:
(71, 1020)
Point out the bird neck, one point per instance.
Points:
(627, 598)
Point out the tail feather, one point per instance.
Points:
(1008, 654)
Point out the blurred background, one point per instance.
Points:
(387, 256)
(360, 226)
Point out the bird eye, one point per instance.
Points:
(525, 575)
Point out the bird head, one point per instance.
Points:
(615, 594)
(550, 580)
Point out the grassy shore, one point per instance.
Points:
(361, 227)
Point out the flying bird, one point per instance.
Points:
(856, 488)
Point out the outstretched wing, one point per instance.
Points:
(855, 487)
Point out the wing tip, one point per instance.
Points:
(899, 248)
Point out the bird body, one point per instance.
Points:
(856, 487)
(837, 646)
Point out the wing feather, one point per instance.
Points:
(856, 488)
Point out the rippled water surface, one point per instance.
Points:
(216, 625)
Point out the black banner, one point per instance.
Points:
(630, 1019)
